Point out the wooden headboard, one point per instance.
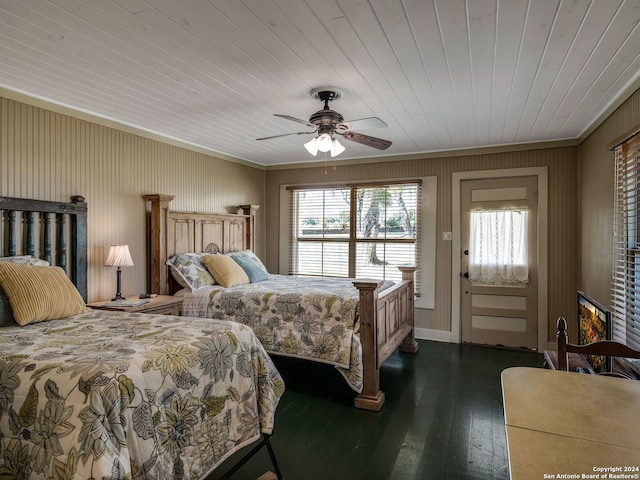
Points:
(191, 232)
(52, 231)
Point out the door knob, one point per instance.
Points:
(465, 274)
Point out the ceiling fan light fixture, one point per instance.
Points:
(336, 148)
(324, 142)
(312, 146)
(327, 122)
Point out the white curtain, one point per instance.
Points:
(498, 246)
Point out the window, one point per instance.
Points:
(362, 231)
(626, 249)
(498, 246)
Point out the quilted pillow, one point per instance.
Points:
(189, 270)
(252, 266)
(225, 270)
(6, 314)
(39, 293)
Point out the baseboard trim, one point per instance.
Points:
(435, 335)
(444, 336)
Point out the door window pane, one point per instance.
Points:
(498, 251)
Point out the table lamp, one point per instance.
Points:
(119, 256)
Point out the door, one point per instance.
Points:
(496, 312)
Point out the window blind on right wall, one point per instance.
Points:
(626, 249)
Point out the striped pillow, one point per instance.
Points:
(39, 293)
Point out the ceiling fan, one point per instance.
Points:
(326, 122)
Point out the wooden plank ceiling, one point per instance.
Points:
(443, 74)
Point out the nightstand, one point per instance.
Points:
(162, 304)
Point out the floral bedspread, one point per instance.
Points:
(314, 318)
(126, 396)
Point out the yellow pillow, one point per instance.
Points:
(39, 293)
(225, 270)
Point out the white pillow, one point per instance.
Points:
(25, 260)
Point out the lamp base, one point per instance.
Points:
(118, 294)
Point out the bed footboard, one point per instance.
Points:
(386, 323)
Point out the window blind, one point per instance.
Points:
(361, 231)
(320, 230)
(626, 248)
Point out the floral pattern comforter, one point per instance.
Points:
(314, 318)
(126, 396)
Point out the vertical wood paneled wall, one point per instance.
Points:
(562, 164)
(596, 199)
(50, 156)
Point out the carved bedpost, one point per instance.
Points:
(62, 242)
(371, 397)
(80, 246)
(13, 229)
(48, 256)
(409, 344)
(158, 240)
(561, 335)
(31, 241)
(250, 236)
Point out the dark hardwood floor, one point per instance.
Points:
(443, 419)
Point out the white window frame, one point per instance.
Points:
(425, 241)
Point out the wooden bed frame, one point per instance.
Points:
(57, 232)
(386, 318)
(52, 231)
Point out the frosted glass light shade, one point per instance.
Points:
(119, 256)
(324, 143)
(336, 148)
(312, 146)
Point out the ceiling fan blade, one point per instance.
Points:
(294, 119)
(285, 135)
(374, 142)
(361, 124)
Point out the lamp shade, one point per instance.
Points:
(119, 256)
